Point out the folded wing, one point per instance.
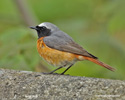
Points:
(66, 43)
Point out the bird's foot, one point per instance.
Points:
(50, 73)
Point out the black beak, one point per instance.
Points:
(33, 27)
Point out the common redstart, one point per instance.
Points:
(59, 49)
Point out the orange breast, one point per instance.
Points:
(53, 56)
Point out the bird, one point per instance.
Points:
(60, 50)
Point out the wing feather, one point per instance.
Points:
(65, 43)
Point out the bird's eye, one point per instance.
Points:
(43, 28)
(37, 26)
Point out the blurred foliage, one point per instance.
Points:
(97, 25)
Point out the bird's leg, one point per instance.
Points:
(52, 72)
(66, 70)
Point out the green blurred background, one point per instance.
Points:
(97, 25)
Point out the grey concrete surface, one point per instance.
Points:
(25, 85)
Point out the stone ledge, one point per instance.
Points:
(26, 85)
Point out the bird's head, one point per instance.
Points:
(45, 29)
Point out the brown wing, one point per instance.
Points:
(66, 45)
(76, 49)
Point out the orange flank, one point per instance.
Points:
(53, 56)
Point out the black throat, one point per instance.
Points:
(43, 33)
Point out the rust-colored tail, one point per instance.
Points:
(99, 63)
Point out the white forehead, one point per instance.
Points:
(49, 26)
(42, 24)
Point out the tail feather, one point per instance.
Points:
(99, 63)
